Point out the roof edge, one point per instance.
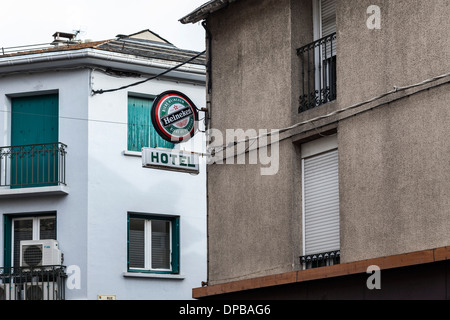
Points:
(205, 10)
(98, 57)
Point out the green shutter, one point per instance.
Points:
(7, 229)
(138, 123)
(141, 132)
(34, 121)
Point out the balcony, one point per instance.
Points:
(33, 169)
(319, 260)
(41, 283)
(318, 73)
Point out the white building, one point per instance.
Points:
(71, 169)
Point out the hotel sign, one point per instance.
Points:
(174, 116)
(172, 160)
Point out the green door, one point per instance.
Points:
(34, 141)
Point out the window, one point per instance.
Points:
(41, 227)
(320, 194)
(141, 132)
(153, 244)
(326, 28)
(318, 59)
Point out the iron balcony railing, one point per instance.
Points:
(318, 73)
(319, 260)
(40, 283)
(32, 48)
(36, 165)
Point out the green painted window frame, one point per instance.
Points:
(140, 130)
(175, 242)
(8, 232)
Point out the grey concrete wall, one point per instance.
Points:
(251, 64)
(412, 45)
(393, 160)
(253, 225)
(395, 178)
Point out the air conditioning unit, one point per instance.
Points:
(7, 291)
(41, 291)
(38, 253)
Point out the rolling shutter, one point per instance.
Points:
(321, 203)
(136, 250)
(328, 27)
(160, 244)
(328, 17)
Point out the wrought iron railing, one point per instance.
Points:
(321, 260)
(36, 165)
(40, 283)
(318, 73)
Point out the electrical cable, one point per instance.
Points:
(283, 130)
(101, 91)
(395, 90)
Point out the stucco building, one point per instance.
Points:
(359, 93)
(74, 118)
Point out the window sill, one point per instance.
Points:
(149, 275)
(132, 153)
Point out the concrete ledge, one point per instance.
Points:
(360, 267)
(7, 193)
(132, 153)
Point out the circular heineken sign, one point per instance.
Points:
(174, 116)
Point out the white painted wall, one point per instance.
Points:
(71, 210)
(104, 185)
(118, 184)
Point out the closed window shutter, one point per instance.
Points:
(321, 203)
(141, 132)
(138, 123)
(160, 244)
(328, 27)
(136, 246)
(328, 17)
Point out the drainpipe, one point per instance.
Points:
(207, 122)
(208, 72)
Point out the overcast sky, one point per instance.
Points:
(25, 22)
